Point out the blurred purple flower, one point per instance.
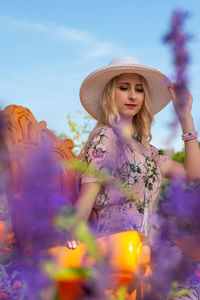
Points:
(33, 207)
(177, 217)
(169, 266)
(38, 202)
(181, 208)
(21, 278)
(178, 40)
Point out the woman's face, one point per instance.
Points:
(129, 94)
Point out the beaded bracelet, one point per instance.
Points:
(189, 136)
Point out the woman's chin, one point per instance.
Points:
(127, 115)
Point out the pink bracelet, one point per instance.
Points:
(189, 136)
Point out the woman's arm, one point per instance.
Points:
(84, 204)
(86, 199)
(191, 167)
(101, 155)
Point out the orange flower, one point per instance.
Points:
(2, 230)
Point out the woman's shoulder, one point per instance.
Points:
(158, 155)
(105, 129)
(104, 133)
(153, 150)
(101, 148)
(156, 151)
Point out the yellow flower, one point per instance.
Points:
(80, 112)
(76, 136)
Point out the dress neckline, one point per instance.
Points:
(143, 150)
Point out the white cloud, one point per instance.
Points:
(96, 48)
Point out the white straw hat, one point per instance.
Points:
(94, 84)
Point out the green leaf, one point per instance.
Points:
(121, 293)
(83, 233)
(63, 273)
(175, 292)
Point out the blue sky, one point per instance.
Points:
(48, 47)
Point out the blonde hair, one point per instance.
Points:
(109, 115)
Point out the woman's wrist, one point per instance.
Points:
(187, 124)
(189, 136)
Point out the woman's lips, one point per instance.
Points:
(131, 105)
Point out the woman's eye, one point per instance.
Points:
(139, 90)
(123, 88)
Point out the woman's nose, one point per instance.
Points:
(132, 94)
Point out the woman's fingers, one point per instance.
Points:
(172, 93)
(72, 244)
(180, 101)
(68, 244)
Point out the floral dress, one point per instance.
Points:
(113, 211)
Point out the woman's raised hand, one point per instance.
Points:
(182, 103)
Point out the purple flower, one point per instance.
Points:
(38, 201)
(21, 278)
(181, 207)
(177, 216)
(178, 40)
(33, 207)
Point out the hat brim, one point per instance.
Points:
(94, 84)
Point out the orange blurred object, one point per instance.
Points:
(23, 134)
(2, 230)
(128, 258)
(6, 239)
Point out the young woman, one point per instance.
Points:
(123, 97)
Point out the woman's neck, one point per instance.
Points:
(125, 125)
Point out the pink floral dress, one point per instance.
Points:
(113, 211)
